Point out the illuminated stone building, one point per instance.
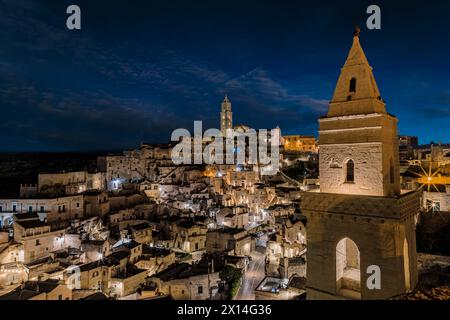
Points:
(299, 143)
(37, 238)
(359, 218)
(52, 209)
(70, 183)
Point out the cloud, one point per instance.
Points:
(81, 120)
(258, 83)
(82, 91)
(268, 102)
(439, 109)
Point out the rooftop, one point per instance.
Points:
(96, 296)
(26, 216)
(93, 242)
(141, 226)
(154, 251)
(30, 289)
(29, 224)
(231, 230)
(95, 265)
(184, 270)
(130, 271)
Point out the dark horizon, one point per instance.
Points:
(134, 73)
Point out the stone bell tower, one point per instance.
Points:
(359, 142)
(226, 116)
(360, 218)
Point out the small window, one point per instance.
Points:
(350, 176)
(200, 289)
(14, 208)
(30, 209)
(37, 242)
(42, 208)
(352, 85)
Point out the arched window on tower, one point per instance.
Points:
(352, 85)
(348, 270)
(350, 171)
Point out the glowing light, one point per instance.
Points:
(430, 178)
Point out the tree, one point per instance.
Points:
(232, 277)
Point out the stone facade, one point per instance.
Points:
(51, 209)
(71, 182)
(370, 142)
(37, 239)
(379, 226)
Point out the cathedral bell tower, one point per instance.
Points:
(226, 116)
(359, 219)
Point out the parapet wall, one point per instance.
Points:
(396, 208)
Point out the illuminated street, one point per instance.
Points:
(254, 275)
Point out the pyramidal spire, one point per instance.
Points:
(356, 90)
(226, 104)
(356, 55)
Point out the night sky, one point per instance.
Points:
(140, 69)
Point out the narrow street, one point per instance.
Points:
(254, 275)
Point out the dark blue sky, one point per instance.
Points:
(139, 69)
